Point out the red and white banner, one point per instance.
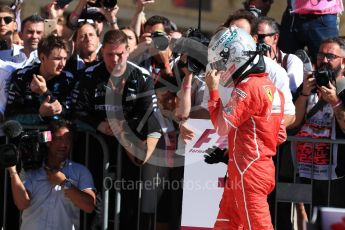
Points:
(203, 183)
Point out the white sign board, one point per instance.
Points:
(333, 218)
(203, 183)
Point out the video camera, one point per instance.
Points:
(27, 146)
(195, 44)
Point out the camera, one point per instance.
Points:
(323, 76)
(3, 45)
(27, 147)
(255, 11)
(62, 3)
(108, 4)
(195, 45)
(262, 48)
(160, 40)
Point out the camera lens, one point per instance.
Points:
(323, 76)
(160, 40)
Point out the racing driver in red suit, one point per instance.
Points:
(252, 119)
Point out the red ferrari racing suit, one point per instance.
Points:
(252, 119)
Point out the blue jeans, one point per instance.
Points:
(298, 31)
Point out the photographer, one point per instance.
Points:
(51, 196)
(258, 7)
(98, 11)
(154, 52)
(266, 31)
(320, 113)
(192, 65)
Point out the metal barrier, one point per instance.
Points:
(106, 193)
(105, 166)
(295, 192)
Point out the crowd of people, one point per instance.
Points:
(137, 85)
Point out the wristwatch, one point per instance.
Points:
(67, 184)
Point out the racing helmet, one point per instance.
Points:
(228, 52)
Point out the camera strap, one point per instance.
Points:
(318, 106)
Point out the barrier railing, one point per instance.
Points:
(105, 167)
(295, 192)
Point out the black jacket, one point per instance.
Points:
(95, 99)
(22, 101)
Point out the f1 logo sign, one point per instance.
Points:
(205, 138)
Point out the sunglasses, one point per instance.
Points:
(328, 56)
(81, 22)
(7, 19)
(262, 37)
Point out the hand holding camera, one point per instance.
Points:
(145, 39)
(160, 40)
(329, 94)
(309, 84)
(110, 14)
(322, 77)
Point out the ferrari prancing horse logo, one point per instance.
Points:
(269, 93)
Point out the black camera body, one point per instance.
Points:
(108, 4)
(160, 40)
(27, 147)
(323, 76)
(262, 48)
(4, 45)
(31, 148)
(62, 3)
(194, 44)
